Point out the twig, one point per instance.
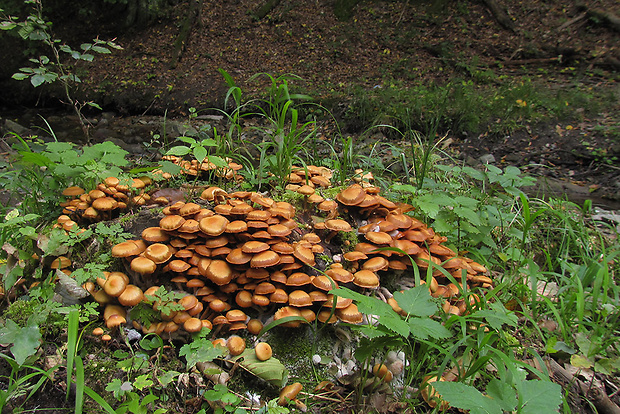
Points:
(320, 397)
(572, 21)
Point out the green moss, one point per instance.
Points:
(295, 348)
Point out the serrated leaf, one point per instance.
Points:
(466, 397)
(423, 328)
(503, 394)
(496, 316)
(416, 301)
(218, 161)
(540, 397)
(271, 370)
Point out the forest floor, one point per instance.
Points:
(382, 53)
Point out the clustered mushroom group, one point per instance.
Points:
(241, 257)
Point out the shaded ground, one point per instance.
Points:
(382, 44)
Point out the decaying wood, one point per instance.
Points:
(606, 17)
(265, 9)
(572, 21)
(499, 14)
(595, 395)
(193, 16)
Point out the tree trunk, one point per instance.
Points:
(499, 14)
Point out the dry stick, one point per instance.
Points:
(599, 398)
(320, 397)
(572, 21)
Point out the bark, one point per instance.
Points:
(499, 14)
(265, 9)
(186, 28)
(606, 17)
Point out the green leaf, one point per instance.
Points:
(271, 370)
(142, 382)
(503, 393)
(580, 361)
(20, 76)
(466, 397)
(168, 377)
(416, 301)
(540, 397)
(25, 340)
(179, 151)
(496, 316)
(423, 328)
(200, 153)
(37, 80)
(218, 161)
(200, 350)
(100, 49)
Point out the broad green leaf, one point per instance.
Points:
(37, 80)
(179, 151)
(168, 377)
(423, 328)
(25, 340)
(540, 397)
(395, 323)
(100, 49)
(365, 304)
(580, 361)
(416, 301)
(20, 76)
(466, 397)
(503, 394)
(200, 153)
(218, 161)
(270, 370)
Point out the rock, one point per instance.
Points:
(12, 126)
(487, 159)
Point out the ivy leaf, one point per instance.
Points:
(25, 340)
(416, 301)
(142, 382)
(422, 328)
(200, 350)
(466, 397)
(540, 397)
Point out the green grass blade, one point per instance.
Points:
(79, 384)
(97, 398)
(71, 345)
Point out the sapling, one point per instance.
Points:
(51, 69)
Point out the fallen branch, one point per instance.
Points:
(499, 14)
(609, 18)
(594, 394)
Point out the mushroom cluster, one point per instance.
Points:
(246, 252)
(196, 168)
(106, 201)
(385, 224)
